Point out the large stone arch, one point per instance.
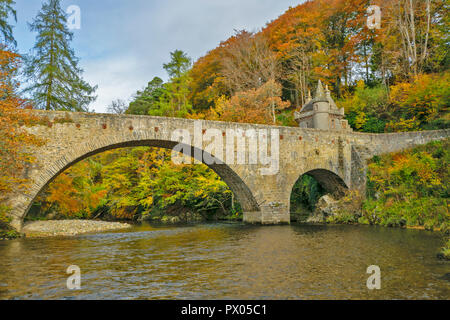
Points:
(52, 170)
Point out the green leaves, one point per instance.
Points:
(174, 100)
(146, 102)
(179, 65)
(365, 106)
(305, 194)
(166, 99)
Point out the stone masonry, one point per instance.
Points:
(336, 158)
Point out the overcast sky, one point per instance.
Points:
(122, 44)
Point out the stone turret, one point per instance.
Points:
(321, 112)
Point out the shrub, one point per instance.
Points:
(445, 251)
(409, 188)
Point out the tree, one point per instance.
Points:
(132, 182)
(179, 64)
(207, 83)
(75, 193)
(53, 69)
(248, 63)
(251, 106)
(297, 73)
(146, 101)
(426, 99)
(117, 106)
(415, 37)
(367, 109)
(174, 101)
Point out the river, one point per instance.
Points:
(228, 261)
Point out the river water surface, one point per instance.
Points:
(228, 261)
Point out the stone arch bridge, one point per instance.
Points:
(337, 159)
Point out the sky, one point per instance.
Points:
(122, 44)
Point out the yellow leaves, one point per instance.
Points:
(199, 193)
(95, 198)
(402, 125)
(132, 179)
(360, 120)
(360, 85)
(123, 212)
(425, 98)
(400, 92)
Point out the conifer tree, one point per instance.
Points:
(7, 10)
(57, 82)
(174, 102)
(146, 102)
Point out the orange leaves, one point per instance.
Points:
(13, 140)
(207, 80)
(71, 198)
(330, 40)
(399, 158)
(251, 106)
(62, 191)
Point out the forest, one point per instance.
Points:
(390, 79)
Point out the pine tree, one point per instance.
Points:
(57, 82)
(174, 102)
(146, 102)
(7, 10)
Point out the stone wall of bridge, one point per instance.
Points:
(336, 159)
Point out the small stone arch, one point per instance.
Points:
(330, 182)
(53, 170)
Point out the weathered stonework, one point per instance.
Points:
(335, 158)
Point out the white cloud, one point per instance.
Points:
(123, 44)
(117, 78)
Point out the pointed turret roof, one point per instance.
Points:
(319, 97)
(320, 93)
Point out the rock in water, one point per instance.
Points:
(326, 206)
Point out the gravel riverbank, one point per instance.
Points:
(53, 228)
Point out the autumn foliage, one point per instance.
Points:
(135, 183)
(410, 188)
(329, 40)
(13, 139)
(251, 106)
